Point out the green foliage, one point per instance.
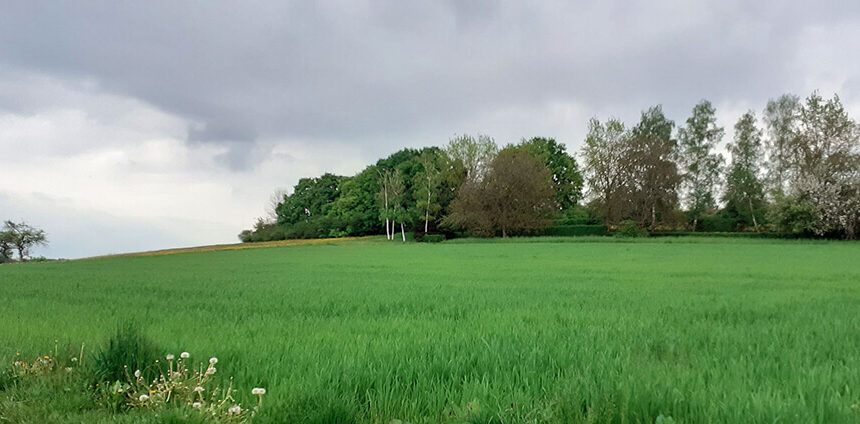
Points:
(263, 231)
(793, 214)
(428, 183)
(355, 210)
(312, 197)
(629, 229)
(127, 350)
(566, 177)
(576, 230)
(719, 223)
(21, 237)
(578, 216)
(697, 140)
(744, 194)
(431, 238)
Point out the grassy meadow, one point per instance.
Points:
(523, 330)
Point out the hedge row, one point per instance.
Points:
(723, 234)
(576, 230)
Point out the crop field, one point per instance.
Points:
(564, 331)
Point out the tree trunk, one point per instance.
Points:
(653, 216)
(504, 234)
(752, 214)
(695, 223)
(402, 232)
(388, 235)
(427, 213)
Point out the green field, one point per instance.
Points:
(700, 330)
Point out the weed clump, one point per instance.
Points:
(127, 348)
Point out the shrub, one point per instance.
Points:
(716, 224)
(630, 229)
(433, 238)
(575, 216)
(576, 230)
(127, 348)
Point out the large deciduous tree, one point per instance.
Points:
(311, 198)
(356, 207)
(604, 144)
(781, 117)
(566, 177)
(824, 157)
(701, 165)
(650, 160)
(515, 196)
(22, 237)
(632, 174)
(473, 154)
(744, 187)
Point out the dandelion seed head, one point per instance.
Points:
(184, 355)
(143, 398)
(170, 356)
(234, 410)
(213, 360)
(197, 405)
(259, 391)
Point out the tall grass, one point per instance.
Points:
(715, 330)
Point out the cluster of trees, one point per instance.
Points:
(20, 237)
(469, 185)
(798, 172)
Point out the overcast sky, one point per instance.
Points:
(127, 126)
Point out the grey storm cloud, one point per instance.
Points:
(143, 124)
(245, 71)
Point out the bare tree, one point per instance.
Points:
(275, 200)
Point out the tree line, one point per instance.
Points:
(794, 170)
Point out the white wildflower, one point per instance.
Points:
(74, 359)
(197, 405)
(137, 374)
(234, 410)
(170, 356)
(184, 355)
(143, 398)
(259, 391)
(198, 389)
(213, 360)
(210, 370)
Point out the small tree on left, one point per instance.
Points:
(22, 237)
